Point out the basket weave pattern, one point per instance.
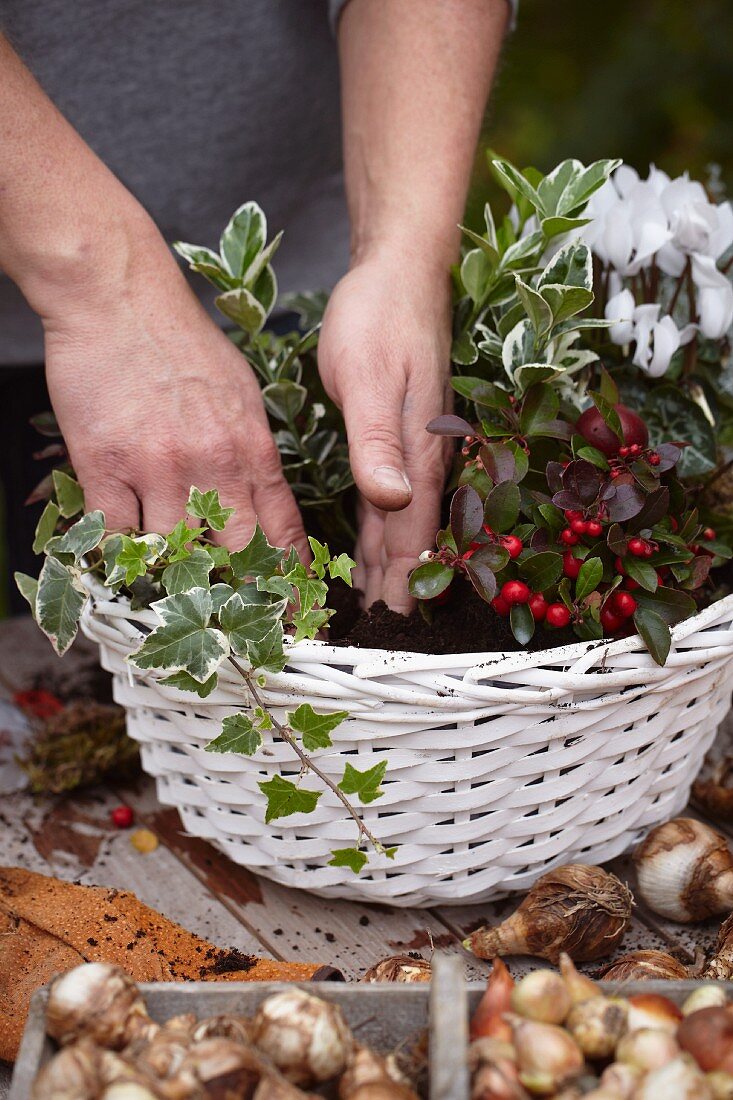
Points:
(499, 766)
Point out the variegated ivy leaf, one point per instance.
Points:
(267, 653)
(208, 507)
(238, 734)
(46, 528)
(341, 566)
(184, 682)
(285, 798)
(365, 785)
(352, 858)
(69, 495)
(85, 535)
(220, 593)
(258, 558)
(190, 572)
(28, 588)
(276, 586)
(60, 600)
(184, 641)
(127, 558)
(244, 623)
(315, 729)
(180, 538)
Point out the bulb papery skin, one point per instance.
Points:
(578, 985)
(541, 995)
(647, 1049)
(488, 1016)
(652, 1010)
(127, 1090)
(720, 1084)
(644, 966)
(708, 1036)
(369, 1074)
(307, 1039)
(685, 871)
(679, 1079)
(72, 1074)
(547, 1056)
(95, 1000)
(705, 996)
(399, 968)
(621, 1079)
(720, 966)
(597, 1025)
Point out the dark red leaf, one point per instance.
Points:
(482, 579)
(583, 479)
(499, 462)
(466, 516)
(449, 425)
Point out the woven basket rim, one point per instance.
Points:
(119, 606)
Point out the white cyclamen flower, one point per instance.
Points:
(656, 339)
(629, 223)
(697, 225)
(714, 297)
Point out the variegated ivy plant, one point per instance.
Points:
(213, 608)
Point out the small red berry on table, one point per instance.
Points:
(515, 592)
(557, 615)
(122, 817)
(570, 565)
(538, 605)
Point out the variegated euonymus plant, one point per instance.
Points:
(214, 607)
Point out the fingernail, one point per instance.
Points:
(389, 477)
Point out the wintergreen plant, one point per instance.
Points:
(213, 607)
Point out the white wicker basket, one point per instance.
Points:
(500, 766)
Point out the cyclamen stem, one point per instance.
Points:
(305, 760)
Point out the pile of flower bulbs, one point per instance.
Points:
(561, 1035)
(112, 1050)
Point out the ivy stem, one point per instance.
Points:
(305, 760)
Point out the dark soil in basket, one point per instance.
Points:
(464, 624)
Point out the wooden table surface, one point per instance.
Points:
(194, 884)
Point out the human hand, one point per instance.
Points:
(384, 358)
(152, 397)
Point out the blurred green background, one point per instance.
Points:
(646, 80)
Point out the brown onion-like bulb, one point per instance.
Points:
(580, 987)
(653, 1010)
(708, 1036)
(679, 1079)
(704, 996)
(399, 968)
(647, 1049)
(541, 995)
(98, 1001)
(620, 1079)
(488, 1018)
(685, 870)
(597, 1025)
(581, 910)
(640, 966)
(547, 1056)
(222, 1068)
(715, 793)
(369, 1074)
(225, 1026)
(305, 1037)
(72, 1074)
(720, 966)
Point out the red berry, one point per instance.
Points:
(674, 524)
(570, 565)
(637, 547)
(557, 615)
(648, 550)
(579, 526)
(515, 592)
(708, 534)
(653, 459)
(595, 529)
(615, 473)
(624, 604)
(122, 817)
(538, 606)
(619, 566)
(512, 545)
(569, 537)
(488, 530)
(500, 606)
(610, 621)
(623, 451)
(471, 550)
(634, 449)
(570, 516)
(631, 584)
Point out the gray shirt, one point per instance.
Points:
(197, 106)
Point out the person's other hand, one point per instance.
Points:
(384, 358)
(152, 398)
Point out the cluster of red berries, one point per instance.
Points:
(633, 452)
(620, 607)
(577, 527)
(513, 592)
(511, 544)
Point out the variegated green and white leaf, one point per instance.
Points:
(28, 588)
(241, 306)
(570, 266)
(519, 346)
(85, 535)
(243, 239)
(127, 558)
(248, 622)
(46, 528)
(69, 494)
(190, 572)
(208, 507)
(60, 600)
(184, 641)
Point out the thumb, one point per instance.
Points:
(374, 431)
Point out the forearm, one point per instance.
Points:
(67, 225)
(415, 79)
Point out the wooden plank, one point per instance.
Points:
(294, 923)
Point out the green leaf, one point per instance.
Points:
(243, 239)
(641, 572)
(311, 590)
(501, 509)
(481, 392)
(670, 414)
(46, 528)
(489, 250)
(655, 632)
(515, 184)
(238, 734)
(476, 273)
(554, 226)
(570, 266)
(565, 301)
(127, 558)
(208, 507)
(69, 495)
(267, 653)
(28, 588)
(190, 572)
(539, 408)
(60, 600)
(184, 682)
(538, 310)
(594, 456)
(429, 580)
(284, 798)
(184, 641)
(542, 570)
(365, 785)
(315, 728)
(463, 350)
(670, 604)
(609, 414)
(85, 535)
(284, 400)
(348, 857)
(180, 538)
(522, 622)
(321, 557)
(341, 566)
(258, 558)
(309, 623)
(589, 577)
(206, 262)
(245, 623)
(242, 307)
(582, 186)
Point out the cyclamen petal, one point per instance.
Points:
(666, 342)
(620, 310)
